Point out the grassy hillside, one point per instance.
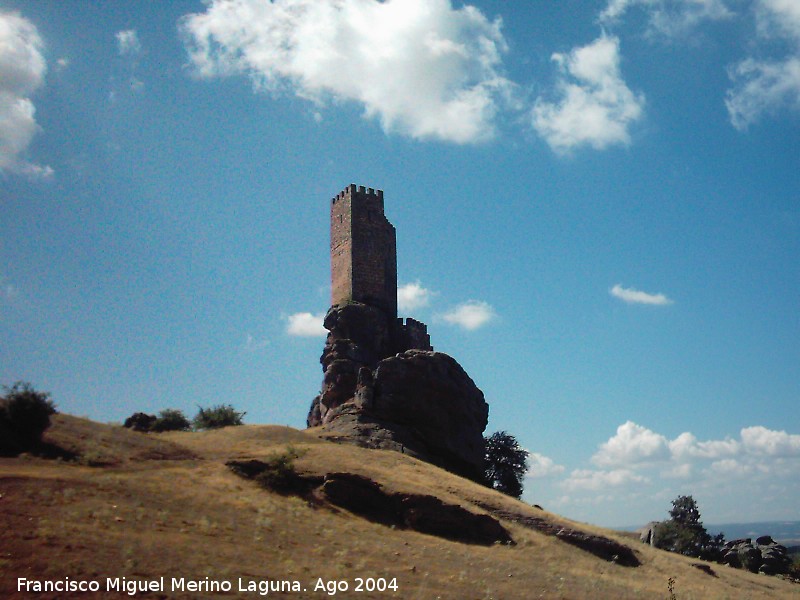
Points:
(142, 507)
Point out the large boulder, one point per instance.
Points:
(419, 402)
(764, 556)
(359, 337)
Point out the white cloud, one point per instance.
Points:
(470, 315)
(596, 106)
(639, 470)
(540, 466)
(586, 479)
(632, 444)
(682, 471)
(253, 344)
(412, 296)
(128, 42)
(759, 440)
(762, 87)
(686, 446)
(8, 291)
(765, 86)
(22, 70)
(669, 17)
(778, 17)
(305, 324)
(730, 467)
(634, 296)
(421, 67)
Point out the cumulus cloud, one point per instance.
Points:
(470, 315)
(128, 42)
(540, 466)
(669, 17)
(421, 67)
(686, 446)
(765, 86)
(589, 480)
(306, 324)
(22, 71)
(596, 107)
(642, 468)
(632, 444)
(762, 441)
(634, 296)
(412, 296)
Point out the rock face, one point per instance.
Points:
(647, 534)
(378, 393)
(764, 556)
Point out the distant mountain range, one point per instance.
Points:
(783, 532)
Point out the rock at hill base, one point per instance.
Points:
(764, 556)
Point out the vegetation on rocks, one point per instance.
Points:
(685, 534)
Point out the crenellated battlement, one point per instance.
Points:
(411, 335)
(364, 194)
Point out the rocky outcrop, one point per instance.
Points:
(366, 498)
(647, 534)
(600, 546)
(379, 394)
(419, 512)
(764, 556)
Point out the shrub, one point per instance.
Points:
(279, 473)
(140, 421)
(221, 415)
(171, 419)
(24, 416)
(505, 463)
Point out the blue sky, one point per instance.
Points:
(596, 206)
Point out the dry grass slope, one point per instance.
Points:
(145, 506)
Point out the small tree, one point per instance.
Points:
(171, 420)
(505, 463)
(221, 415)
(684, 532)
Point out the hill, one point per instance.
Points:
(165, 510)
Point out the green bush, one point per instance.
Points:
(24, 416)
(171, 419)
(221, 415)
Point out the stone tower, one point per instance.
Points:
(383, 384)
(363, 251)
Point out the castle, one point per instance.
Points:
(364, 262)
(383, 386)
